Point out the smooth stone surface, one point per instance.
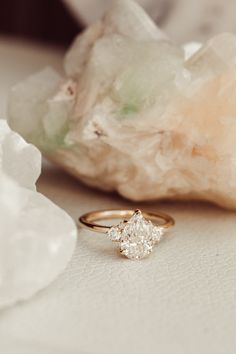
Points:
(37, 238)
(18, 160)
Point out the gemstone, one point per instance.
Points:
(137, 236)
(157, 233)
(115, 233)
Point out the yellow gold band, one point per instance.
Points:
(88, 219)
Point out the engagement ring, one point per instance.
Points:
(136, 233)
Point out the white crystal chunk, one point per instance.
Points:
(18, 160)
(37, 238)
(145, 119)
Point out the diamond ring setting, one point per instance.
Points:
(136, 234)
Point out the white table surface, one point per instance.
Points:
(180, 300)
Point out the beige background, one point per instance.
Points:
(180, 300)
(182, 20)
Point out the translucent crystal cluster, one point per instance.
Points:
(136, 113)
(37, 238)
(137, 236)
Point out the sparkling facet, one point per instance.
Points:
(157, 233)
(114, 233)
(137, 236)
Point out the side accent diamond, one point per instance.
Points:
(114, 233)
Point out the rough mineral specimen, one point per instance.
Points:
(36, 237)
(136, 114)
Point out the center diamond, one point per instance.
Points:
(136, 236)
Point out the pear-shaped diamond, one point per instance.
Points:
(136, 236)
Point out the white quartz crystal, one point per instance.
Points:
(37, 238)
(136, 114)
(18, 160)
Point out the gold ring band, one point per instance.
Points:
(88, 219)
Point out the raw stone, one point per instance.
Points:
(137, 114)
(37, 238)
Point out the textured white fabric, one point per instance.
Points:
(180, 300)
